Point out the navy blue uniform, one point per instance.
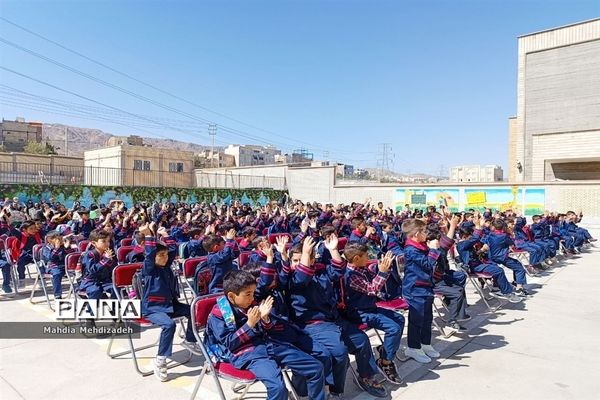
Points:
(160, 302)
(417, 289)
(499, 244)
(55, 264)
(221, 263)
(250, 348)
(97, 274)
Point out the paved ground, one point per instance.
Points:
(546, 348)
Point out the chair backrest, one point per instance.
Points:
(342, 243)
(122, 253)
(126, 242)
(201, 308)
(189, 266)
(122, 275)
(71, 261)
(238, 239)
(83, 245)
(265, 231)
(8, 245)
(37, 253)
(273, 237)
(244, 258)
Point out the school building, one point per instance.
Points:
(555, 135)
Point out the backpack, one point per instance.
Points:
(202, 277)
(137, 283)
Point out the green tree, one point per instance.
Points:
(39, 148)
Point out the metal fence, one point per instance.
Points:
(50, 174)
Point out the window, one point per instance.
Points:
(137, 164)
(146, 165)
(175, 167)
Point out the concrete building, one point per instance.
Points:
(132, 140)
(556, 134)
(40, 169)
(125, 165)
(204, 159)
(476, 173)
(252, 155)
(14, 135)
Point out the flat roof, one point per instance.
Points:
(560, 27)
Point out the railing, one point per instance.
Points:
(49, 174)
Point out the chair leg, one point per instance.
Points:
(288, 383)
(482, 295)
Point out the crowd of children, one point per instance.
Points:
(304, 301)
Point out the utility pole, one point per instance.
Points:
(66, 140)
(212, 131)
(384, 158)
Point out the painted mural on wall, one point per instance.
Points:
(530, 200)
(88, 195)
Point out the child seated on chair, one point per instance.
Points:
(98, 264)
(160, 302)
(54, 254)
(363, 290)
(27, 237)
(136, 255)
(220, 258)
(237, 333)
(248, 234)
(6, 279)
(499, 244)
(420, 259)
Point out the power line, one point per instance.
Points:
(116, 87)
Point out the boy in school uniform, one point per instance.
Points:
(362, 292)
(315, 302)
(27, 237)
(220, 258)
(136, 255)
(85, 225)
(160, 302)
(54, 253)
(499, 243)
(237, 332)
(272, 281)
(420, 259)
(360, 232)
(472, 257)
(98, 264)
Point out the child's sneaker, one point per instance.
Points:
(7, 289)
(522, 292)
(335, 396)
(160, 368)
(430, 351)
(417, 354)
(389, 371)
(370, 386)
(512, 297)
(456, 326)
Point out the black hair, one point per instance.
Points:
(465, 231)
(253, 267)
(237, 280)
(211, 241)
(354, 249)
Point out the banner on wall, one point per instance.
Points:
(529, 200)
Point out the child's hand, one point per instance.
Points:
(145, 230)
(370, 231)
(230, 235)
(265, 308)
(455, 220)
(308, 246)
(386, 262)
(434, 244)
(268, 250)
(304, 226)
(253, 316)
(109, 253)
(281, 242)
(162, 231)
(331, 243)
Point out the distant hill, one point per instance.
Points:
(83, 139)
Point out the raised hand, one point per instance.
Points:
(265, 308)
(280, 243)
(253, 316)
(386, 262)
(109, 253)
(331, 243)
(230, 234)
(308, 245)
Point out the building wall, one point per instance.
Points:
(117, 167)
(558, 93)
(247, 155)
(14, 135)
(512, 149)
(40, 168)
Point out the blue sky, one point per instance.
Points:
(436, 79)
